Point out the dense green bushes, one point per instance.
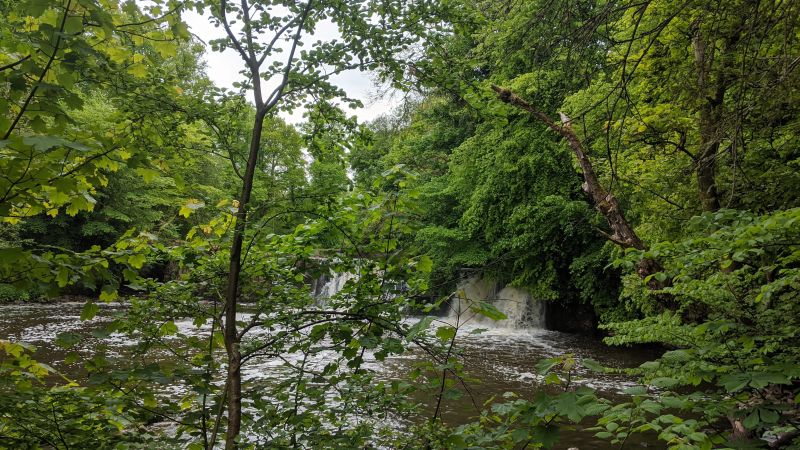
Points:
(638, 158)
(9, 294)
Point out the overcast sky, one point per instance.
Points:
(224, 67)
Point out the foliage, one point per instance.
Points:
(735, 333)
(34, 412)
(530, 423)
(120, 162)
(500, 200)
(284, 320)
(51, 52)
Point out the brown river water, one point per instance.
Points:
(502, 358)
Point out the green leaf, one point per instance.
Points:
(751, 421)
(769, 415)
(62, 277)
(548, 436)
(189, 206)
(650, 365)
(669, 418)
(147, 174)
(138, 70)
(697, 436)
(168, 328)
(446, 333)
(425, 264)
(488, 310)
(108, 293)
(650, 406)
(37, 7)
(73, 24)
(592, 365)
(763, 379)
(419, 327)
(149, 400)
(452, 394)
(11, 254)
(101, 333)
(67, 339)
(42, 143)
(90, 310)
(544, 366)
(519, 435)
(635, 390)
(734, 382)
(673, 402)
(38, 125)
(165, 48)
(664, 382)
(72, 358)
(567, 405)
(137, 261)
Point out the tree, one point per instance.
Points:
(604, 68)
(58, 55)
(329, 133)
(366, 41)
(662, 114)
(52, 52)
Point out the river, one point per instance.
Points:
(502, 358)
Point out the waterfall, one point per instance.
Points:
(326, 287)
(317, 284)
(468, 291)
(517, 304)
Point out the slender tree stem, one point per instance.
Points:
(232, 339)
(46, 69)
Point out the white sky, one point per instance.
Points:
(224, 67)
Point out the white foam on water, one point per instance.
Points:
(505, 352)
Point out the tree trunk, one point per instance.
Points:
(708, 126)
(232, 293)
(712, 97)
(605, 202)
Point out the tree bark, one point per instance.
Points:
(232, 292)
(709, 126)
(712, 94)
(605, 202)
(232, 336)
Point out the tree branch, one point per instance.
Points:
(272, 100)
(32, 93)
(223, 6)
(14, 64)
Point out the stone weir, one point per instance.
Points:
(517, 304)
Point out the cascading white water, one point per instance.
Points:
(318, 283)
(519, 307)
(473, 289)
(326, 287)
(517, 304)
